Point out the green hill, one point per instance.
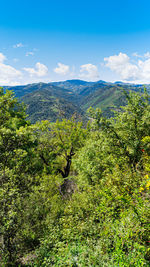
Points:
(106, 96)
(55, 90)
(46, 105)
(63, 99)
(76, 86)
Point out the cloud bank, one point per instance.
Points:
(134, 69)
(89, 72)
(122, 65)
(40, 70)
(8, 74)
(62, 69)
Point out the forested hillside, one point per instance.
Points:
(74, 195)
(64, 99)
(47, 104)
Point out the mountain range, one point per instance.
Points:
(58, 100)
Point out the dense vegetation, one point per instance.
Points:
(73, 195)
(57, 100)
(42, 105)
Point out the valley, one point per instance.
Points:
(58, 100)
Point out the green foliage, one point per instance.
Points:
(74, 195)
(127, 128)
(16, 144)
(58, 143)
(51, 103)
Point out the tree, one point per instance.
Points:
(16, 143)
(58, 144)
(128, 127)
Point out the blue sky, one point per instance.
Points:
(90, 40)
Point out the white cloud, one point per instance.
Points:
(144, 67)
(40, 70)
(147, 55)
(135, 54)
(8, 74)
(2, 58)
(89, 71)
(138, 72)
(62, 69)
(122, 66)
(18, 45)
(29, 54)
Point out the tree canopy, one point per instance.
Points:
(74, 195)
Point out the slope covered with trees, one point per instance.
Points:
(49, 105)
(47, 101)
(63, 99)
(73, 195)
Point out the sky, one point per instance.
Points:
(45, 41)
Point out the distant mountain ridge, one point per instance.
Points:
(75, 85)
(57, 100)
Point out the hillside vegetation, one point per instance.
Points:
(64, 99)
(73, 195)
(47, 105)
